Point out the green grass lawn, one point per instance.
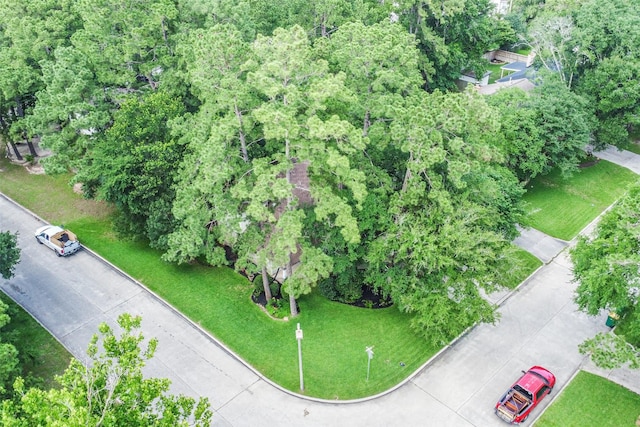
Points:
(528, 264)
(563, 207)
(590, 400)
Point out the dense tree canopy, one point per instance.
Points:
(260, 133)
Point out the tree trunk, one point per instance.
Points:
(32, 148)
(15, 150)
(292, 301)
(292, 306)
(366, 124)
(243, 142)
(265, 284)
(407, 175)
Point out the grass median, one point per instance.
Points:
(590, 400)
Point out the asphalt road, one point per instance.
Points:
(539, 326)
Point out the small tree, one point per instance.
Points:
(9, 254)
(109, 391)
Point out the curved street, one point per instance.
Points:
(539, 325)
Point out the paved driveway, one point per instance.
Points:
(539, 325)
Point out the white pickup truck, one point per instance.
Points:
(63, 242)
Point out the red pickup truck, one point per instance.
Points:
(524, 395)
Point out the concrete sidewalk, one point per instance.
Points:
(544, 247)
(622, 158)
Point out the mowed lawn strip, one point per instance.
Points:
(590, 400)
(563, 207)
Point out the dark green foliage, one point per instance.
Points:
(612, 86)
(135, 164)
(9, 254)
(606, 265)
(452, 37)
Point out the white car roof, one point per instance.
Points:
(49, 229)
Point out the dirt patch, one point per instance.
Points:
(35, 169)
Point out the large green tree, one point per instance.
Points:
(519, 137)
(69, 110)
(222, 140)
(605, 266)
(110, 391)
(452, 217)
(545, 129)
(613, 88)
(134, 166)
(565, 123)
(29, 34)
(301, 133)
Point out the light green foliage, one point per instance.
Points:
(550, 38)
(125, 39)
(610, 351)
(203, 14)
(381, 66)
(220, 139)
(68, 109)
(9, 254)
(299, 126)
(605, 266)
(30, 33)
(112, 391)
(445, 241)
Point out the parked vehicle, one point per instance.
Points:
(525, 394)
(63, 242)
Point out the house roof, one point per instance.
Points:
(515, 66)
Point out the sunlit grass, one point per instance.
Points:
(563, 207)
(590, 400)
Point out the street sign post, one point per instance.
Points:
(299, 338)
(369, 351)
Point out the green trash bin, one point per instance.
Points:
(612, 319)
